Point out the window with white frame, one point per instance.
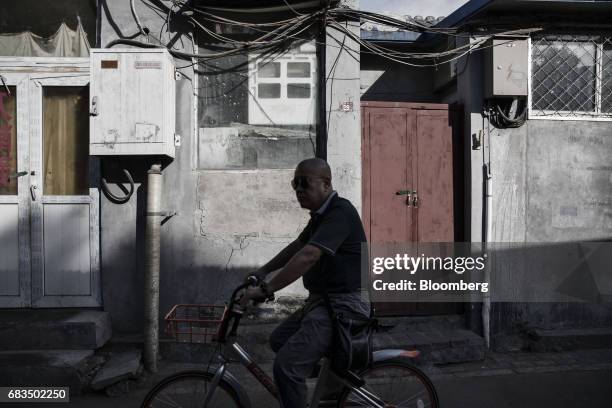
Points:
(282, 90)
(571, 76)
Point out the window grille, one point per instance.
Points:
(571, 76)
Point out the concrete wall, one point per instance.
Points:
(344, 127)
(384, 80)
(552, 182)
(229, 221)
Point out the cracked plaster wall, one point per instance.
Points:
(228, 221)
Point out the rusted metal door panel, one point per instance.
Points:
(434, 182)
(391, 220)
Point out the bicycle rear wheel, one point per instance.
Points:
(188, 390)
(396, 383)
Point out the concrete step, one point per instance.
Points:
(53, 329)
(438, 342)
(59, 368)
(120, 366)
(572, 339)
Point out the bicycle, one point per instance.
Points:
(389, 381)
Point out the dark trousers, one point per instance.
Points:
(302, 340)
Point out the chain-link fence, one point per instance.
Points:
(571, 76)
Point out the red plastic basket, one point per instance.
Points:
(194, 323)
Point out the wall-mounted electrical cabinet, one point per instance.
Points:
(132, 102)
(506, 67)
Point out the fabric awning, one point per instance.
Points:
(64, 43)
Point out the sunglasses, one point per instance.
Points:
(303, 181)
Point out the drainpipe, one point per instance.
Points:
(151, 266)
(488, 220)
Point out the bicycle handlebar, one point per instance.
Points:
(231, 313)
(252, 280)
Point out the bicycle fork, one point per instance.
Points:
(215, 382)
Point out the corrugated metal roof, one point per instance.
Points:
(427, 21)
(474, 7)
(467, 10)
(390, 36)
(380, 32)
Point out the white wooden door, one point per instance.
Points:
(63, 192)
(14, 198)
(49, 202)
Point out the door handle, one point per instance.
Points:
(94, 106)
(18, 174)
(415, 199)
(407, 193)
(33, 189)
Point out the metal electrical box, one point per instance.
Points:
(506, 67)
(132, 102)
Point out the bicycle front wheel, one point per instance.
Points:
(397, 384)
(188, 390)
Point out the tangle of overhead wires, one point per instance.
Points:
(275, 37)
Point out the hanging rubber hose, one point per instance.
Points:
(119, 200)
(500, 113)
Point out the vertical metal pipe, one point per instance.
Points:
(151, 268)
(486, 301)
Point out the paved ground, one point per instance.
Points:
(567, 379)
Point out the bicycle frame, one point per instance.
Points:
(264, 379)
(228, 340)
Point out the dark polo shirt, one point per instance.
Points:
(337, 230)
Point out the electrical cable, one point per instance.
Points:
(368, 46)
(290, 29)
(331, 75)
(292, 9)
(500, 112)
(143, 30)
(113, 197)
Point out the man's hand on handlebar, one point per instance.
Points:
(259, 276)
(254, 293)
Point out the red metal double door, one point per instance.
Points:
(409, 180)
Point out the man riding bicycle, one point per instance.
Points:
(333, 234)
